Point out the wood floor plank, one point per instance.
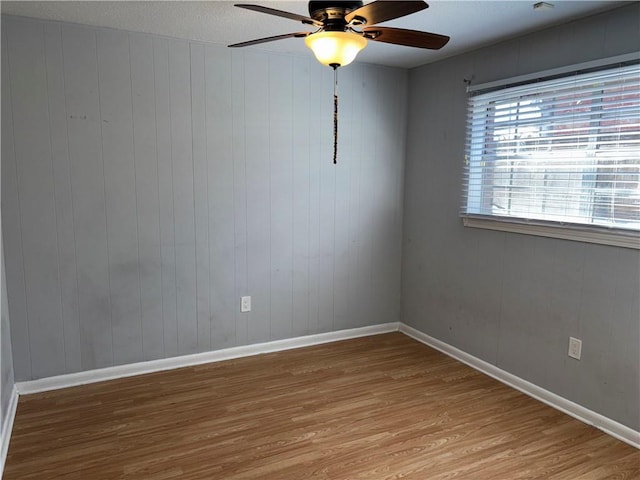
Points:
(380, 407)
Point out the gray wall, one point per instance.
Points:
(513, 300)
(6, 362)
(6, 359)
(150, 182)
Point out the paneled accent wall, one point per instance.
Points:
(148, 183)
(513, 300)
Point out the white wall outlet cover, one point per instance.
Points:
(575, 348)
(245, 304)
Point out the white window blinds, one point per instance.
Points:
(565, 150)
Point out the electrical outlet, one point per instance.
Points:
(575, 348)
(245, 304)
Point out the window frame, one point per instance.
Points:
(605, 235)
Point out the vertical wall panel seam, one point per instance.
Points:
(15, 161)
(135, 189)
(320, 210)
(358, 213)
(379, 96)
(319, 215)
(349, 312)
(310, 151)
(173, 201)
(206, 162)
(293, 199)
(55, 210)
(335, 253)
(246, 202)
(235, 222)
(193, 193)
(355, 203)
(346, 205)
(104, 183)
(270, 160)
(397, 208)
(193, 197)
(155, 119)
(73, 219)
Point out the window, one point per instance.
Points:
(563, 152)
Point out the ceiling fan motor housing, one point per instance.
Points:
(332, 13)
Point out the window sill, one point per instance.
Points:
(615, 238)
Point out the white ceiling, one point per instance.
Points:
(470, 24)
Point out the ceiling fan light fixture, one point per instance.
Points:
(335, 48)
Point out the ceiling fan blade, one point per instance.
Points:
(270, 39)
(280, 13)
(410, 38)
(381, 11)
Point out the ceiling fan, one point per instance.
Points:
(344, 27)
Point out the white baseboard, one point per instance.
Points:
(7, 427)
(611, 427)
(121, 371)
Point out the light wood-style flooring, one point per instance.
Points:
(380, 407)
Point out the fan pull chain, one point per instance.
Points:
(335, 114)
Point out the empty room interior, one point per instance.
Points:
(329, 240)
